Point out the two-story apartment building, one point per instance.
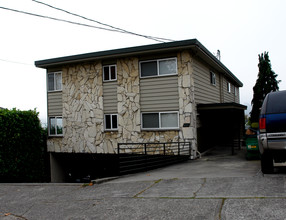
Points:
(155, 93)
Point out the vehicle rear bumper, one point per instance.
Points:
(271, 144)
(277, 144)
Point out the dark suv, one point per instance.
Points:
(272, 131)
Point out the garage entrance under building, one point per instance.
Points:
(220, 124)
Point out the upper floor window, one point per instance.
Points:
(55, 81)
(228, 87)
(110, 121)
(109, 73)
(160, 120)
(212, 78)
(55, 126)
(159, 67)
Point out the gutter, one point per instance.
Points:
(108, 54)
(139, 50)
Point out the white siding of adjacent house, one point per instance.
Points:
(159, 94)
(205, 92)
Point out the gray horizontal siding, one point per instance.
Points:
(159, 94)
(55, 104)
(205, 92)
(236, 99)
(110, 97)
(228, 96)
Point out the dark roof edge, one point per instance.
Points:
(135, 50)
(226, 105)
(114, 52)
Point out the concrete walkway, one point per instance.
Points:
(217, 186)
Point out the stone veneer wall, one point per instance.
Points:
(187, 97)
(129, 114)
(82, 110)
(83, 113)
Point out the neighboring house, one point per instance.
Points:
(166, 92)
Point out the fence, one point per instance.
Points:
(136, 157)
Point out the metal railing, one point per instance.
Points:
(136, 157)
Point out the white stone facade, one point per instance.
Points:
(83, 113)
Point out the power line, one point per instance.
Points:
(58, 19)
(159, 39)
(81, 24)
(9, 61)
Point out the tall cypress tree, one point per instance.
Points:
(265, 83)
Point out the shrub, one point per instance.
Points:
(22, 147)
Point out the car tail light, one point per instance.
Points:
(262, 124)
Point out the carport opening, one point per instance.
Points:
(82, 167)
(220, 125)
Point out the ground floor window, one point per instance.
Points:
(55, 126)
(110, 122)
(160, 120)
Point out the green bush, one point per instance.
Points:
(22, 147)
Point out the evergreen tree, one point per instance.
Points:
(265, 83)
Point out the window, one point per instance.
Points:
(158, 67)
(55, 126)
(109, 73)
(110, 122)
(212, 78)
(228, 87)
(160, 120)
(55, 81)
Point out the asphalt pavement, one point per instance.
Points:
(217, 186)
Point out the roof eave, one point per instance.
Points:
(140, 50)
(116, 53)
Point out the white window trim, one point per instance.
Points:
(158, 69)
(160, 126)
(54, 90)
(109, 66)
(110, 129)
(213, 78)
(228, 87)
(49, 126)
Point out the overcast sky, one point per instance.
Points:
(240, 29)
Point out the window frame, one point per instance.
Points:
(109, 73)
(56, 132)
(212, 78)
(55, 82)
(228, 87)
(111, 129)
(158, 67)
(160, 120)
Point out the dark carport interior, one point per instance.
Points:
(220, 124)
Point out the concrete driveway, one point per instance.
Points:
(217, 186)
(218, 162)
